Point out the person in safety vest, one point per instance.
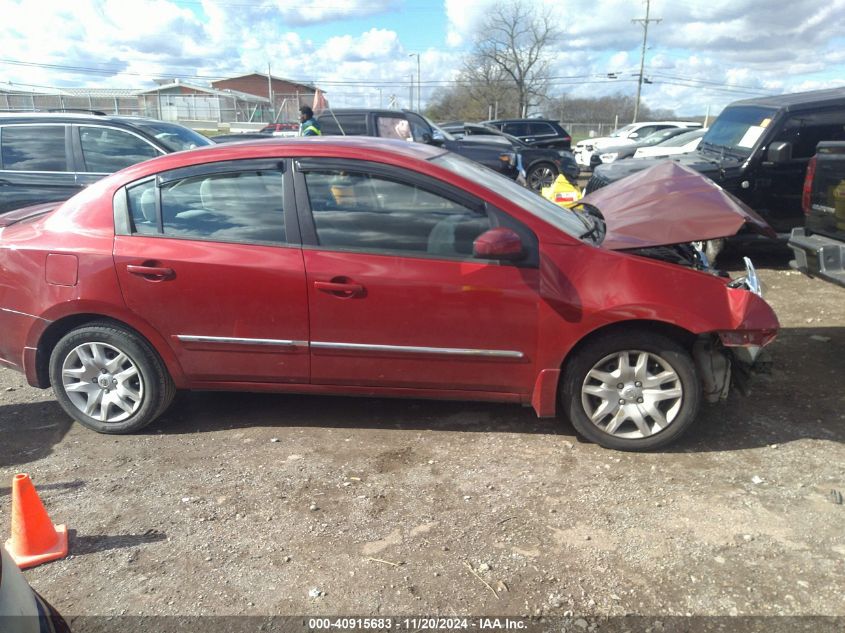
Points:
(308, 125)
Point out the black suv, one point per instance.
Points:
(410, 126)
(50, 156)
(758, 150)
(541, 164)
(536, 132)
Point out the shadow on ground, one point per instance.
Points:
(29, 431)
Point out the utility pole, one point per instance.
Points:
(411, 94)
(270, 94)
(419, 87)
(644, 22)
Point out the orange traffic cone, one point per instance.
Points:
(35, 539)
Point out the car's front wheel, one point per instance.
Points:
(109, 379)
(631, 391)
(542, 175)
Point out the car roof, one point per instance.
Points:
(73, 117)
(349, 147)
(520, 120)
(798, 100)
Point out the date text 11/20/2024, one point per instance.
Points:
(415, 624)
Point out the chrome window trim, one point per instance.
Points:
(190, 338)
(410, 349)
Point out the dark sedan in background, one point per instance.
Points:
(542, 165)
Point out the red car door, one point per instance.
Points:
(396, 298)
(211, 262)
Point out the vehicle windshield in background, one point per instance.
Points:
(738, 129)
(174, 137)
(566, 220)
(621, 130)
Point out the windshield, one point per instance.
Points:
(566, 220)
(174, 137)
(439, 131)
(683, 139)
(738, 129)
(622, 131)
(659, 137)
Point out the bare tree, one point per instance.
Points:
(510, 50)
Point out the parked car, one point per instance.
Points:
(541, 165)
(536, 132)
(410, 126)
(280, 129)
(45, 157)
(22, 610)
(584, 150)
(240, 136)
(680, 144)
(819, 246)
(610, 153)
(758, 149)
(382, 268)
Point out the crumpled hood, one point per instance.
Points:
(670, 204)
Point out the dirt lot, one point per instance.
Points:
(263, 504)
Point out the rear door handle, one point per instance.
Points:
(340, 288)
(153, 273)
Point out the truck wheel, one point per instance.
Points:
(631, 390)
(109, 379)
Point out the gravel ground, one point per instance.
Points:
(273, 504)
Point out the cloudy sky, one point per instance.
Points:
(704, 53)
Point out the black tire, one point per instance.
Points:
(125, 368)
(541, 175)
(602, 354)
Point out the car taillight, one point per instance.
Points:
(807, 193)
(508, 157)
(747, 338)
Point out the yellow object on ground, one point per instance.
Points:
(562, 192)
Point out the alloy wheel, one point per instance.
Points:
(632, 394)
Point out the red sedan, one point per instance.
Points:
(378, 268)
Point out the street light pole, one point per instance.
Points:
(419, 87)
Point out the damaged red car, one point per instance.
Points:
(349, 266)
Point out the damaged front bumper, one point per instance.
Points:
(724, 368)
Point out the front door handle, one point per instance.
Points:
(153, 273)
(340, 287)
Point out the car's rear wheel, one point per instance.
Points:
(109, 379)
(631, 391)
(542, 175)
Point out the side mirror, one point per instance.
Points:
(634, 135)
(780, 152)
(499, 243)
(432, 139)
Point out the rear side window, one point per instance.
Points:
(516, 129)
(349, 124)
(541, 129)
(107, 150)
(33, 148)
(244, 206)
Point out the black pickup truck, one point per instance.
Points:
(819, 246)
(758, 150)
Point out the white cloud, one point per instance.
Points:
(317, 11)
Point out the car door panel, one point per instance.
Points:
(231, 311)
(413, 319)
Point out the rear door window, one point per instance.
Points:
(516, 129)
(240, 206)
(106, 150)
(34, 148)
(537, 128)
